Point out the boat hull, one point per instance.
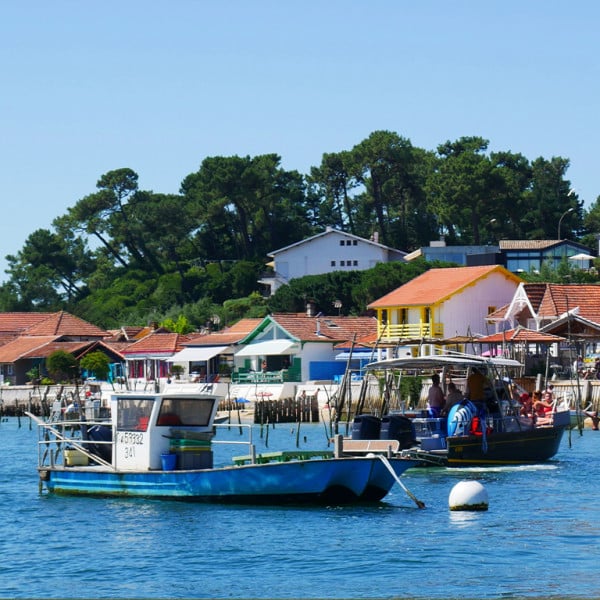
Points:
(328, 481)
(525, 447)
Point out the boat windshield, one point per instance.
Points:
(133, 414)
(192, 412)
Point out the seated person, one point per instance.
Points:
(526, 405)
(454, 396)
(541, 406)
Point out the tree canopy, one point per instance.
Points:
(124, 255)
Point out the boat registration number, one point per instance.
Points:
(131, 437)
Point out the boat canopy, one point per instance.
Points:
(440, 361)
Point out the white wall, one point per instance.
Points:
(467, 311)
(314, 351)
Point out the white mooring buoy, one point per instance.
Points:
(468, 495)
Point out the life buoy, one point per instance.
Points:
(460, 418)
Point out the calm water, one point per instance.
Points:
(540, 537)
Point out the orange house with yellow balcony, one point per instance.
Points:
(443, 303)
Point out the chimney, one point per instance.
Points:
(310, 309)
(376, 237)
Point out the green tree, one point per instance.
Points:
(245, 207)
(384, 164)
(181, 325)
(460, 189)
(591, 225)
(62, 366)
(96, 363)
(549, 198)
(49, 270)
(332, 184)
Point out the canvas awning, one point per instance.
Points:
(268, 347)
(197, 354)
(356, 355)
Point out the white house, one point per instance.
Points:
(331, 250)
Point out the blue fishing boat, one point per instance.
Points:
(163, 446)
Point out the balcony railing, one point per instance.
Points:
(409, 331)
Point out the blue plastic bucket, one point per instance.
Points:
(169, 461)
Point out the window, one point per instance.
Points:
(185, 411)
(342, 242)
(133, 414)
(342, 263)
(355, 263)
(333, 263)
(491, 309)
(354, 242)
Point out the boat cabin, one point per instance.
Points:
(148, 426)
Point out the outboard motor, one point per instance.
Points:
(400, 428)
(366, 427)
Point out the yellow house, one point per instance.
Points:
(444, 303)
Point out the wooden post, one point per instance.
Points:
(338, 445)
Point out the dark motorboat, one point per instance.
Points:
(488, 432)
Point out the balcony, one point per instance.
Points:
(393, 332)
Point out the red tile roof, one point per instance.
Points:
(75, 348)
(17, 322)
(559, 298)
(158, 342)
(117, 347)
(23, 346)
(226, 337)
(329, 329)
(520, 334)
(436, 285)
(64, 324)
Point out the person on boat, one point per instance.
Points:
(435, 397)
(526, 405)
(541, 406)
(454, 396)
(514, 394)
(476, 384)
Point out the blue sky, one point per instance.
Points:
(156, 86)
